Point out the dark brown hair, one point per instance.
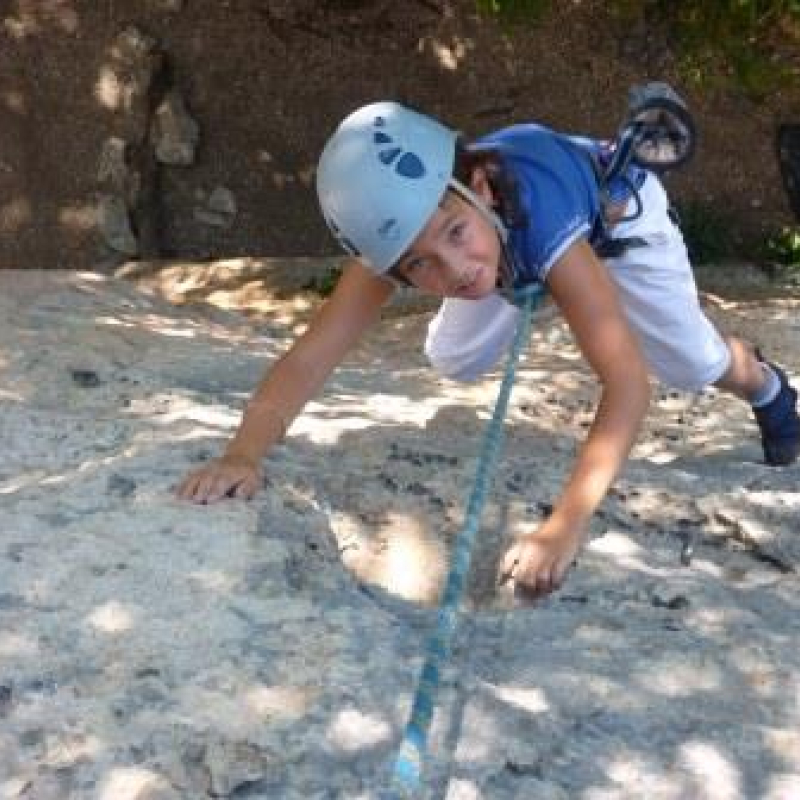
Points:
(501, 180)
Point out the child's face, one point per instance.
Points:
(458, 252)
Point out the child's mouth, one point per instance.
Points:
(469, 289)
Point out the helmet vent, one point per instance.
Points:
(388, 228)
(410, 166)
(390, 154)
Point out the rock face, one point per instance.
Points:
(151, 650)
(262, 85)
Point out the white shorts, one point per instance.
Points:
(658, 294)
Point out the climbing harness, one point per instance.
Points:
(407, 770)
(658, 135)
(658, 132)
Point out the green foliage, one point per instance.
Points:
(737, 33)
(783, 247)
(324, 284)
(514, 11)
(707, 233)
(751, 43)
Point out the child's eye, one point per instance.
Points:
(456, 233)
(414, 265)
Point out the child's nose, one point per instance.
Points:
(456, 273)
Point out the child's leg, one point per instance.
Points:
(660, 300)
(683, 349)
(745, 376)
(776, 411)
(681, 345)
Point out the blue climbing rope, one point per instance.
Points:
(408, 766)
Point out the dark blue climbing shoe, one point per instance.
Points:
(780, 424)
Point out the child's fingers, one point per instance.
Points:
(510, 564)
(187, 488)
(245, 489)
(535, 572)
(542, 581)
(203, 487)
(210, 485)
(529, 588)
(197, 486)
(553, 575)
(224, 485)
(244, 484)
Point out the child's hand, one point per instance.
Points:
(229, 476)
(538, 563)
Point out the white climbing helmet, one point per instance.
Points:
(380, 178)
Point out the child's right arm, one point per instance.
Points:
(291, 382)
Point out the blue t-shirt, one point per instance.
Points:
(558, 192)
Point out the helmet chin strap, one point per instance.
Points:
(508, 269)
(491, 216)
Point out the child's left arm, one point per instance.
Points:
(581, 287)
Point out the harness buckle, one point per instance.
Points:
(658, 134)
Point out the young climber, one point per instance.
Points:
(414, 205)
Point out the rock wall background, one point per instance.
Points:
(152, 650)
(191, 128)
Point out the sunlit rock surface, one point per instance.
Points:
(152, 650)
